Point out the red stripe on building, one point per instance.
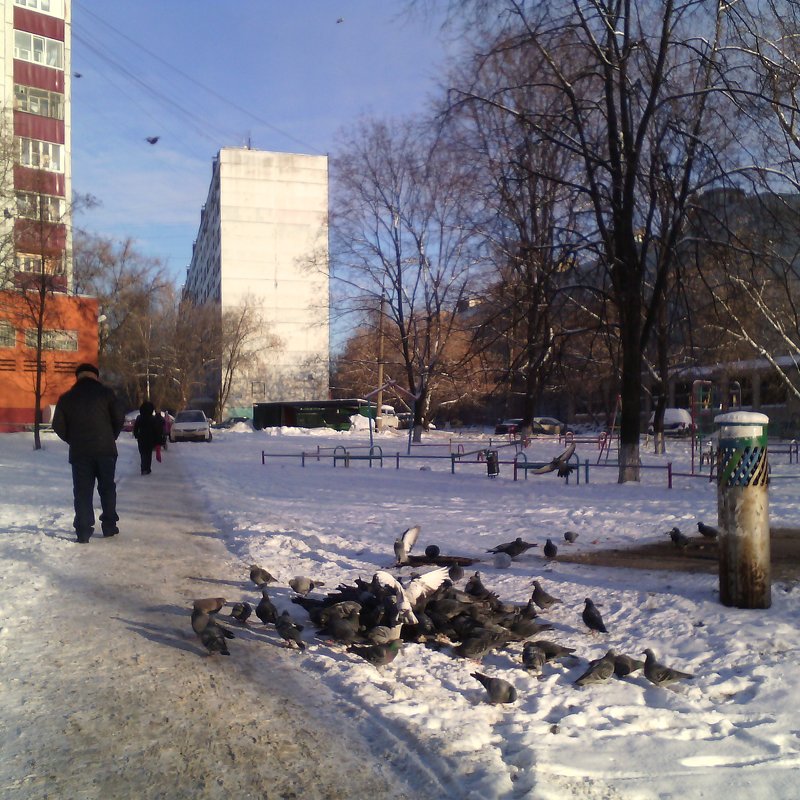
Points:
(27, 179)
(39, 76)
(33, 126)
(41, 24)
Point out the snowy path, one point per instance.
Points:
(109, 693)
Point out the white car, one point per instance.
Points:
(677, 422)
(190, 425)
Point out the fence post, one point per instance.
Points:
(743, 510)
(669, 474)
(586, 467)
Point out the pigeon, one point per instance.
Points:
(501, 560)
(289, 630)
(513, 549)
(679, 539)
(475, 587)
(407, 596)
(383, 634)
(432, 551)
(550, 550)
(209, 605)
(559, 464)
(533, 658)
(570, 536)
(625, 665)
(707, 530)
(377, 654)
(265, 610)
(152, 139)
(551, 650)
(591, 617)
(456, 573)
(476, 647)
(341, 629)
(212, 634)
(541, 598)
(599, 671)
(241, 612)
(499, 690)
(659, 674)
(201, 620)
(260, 576)
(528, 627)
(303, 585)
(403, 545)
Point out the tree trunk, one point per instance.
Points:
(631, 398)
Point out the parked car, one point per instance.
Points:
(677, 422)
(549, 425)
(190, 425)
(508, 426)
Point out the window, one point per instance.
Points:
(38, 49)
(30, 205)
(27, 262)
(53, 339)
(55, 7)
(39, 154)
(8, 336)
(39, 101)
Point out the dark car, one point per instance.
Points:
(508, 426)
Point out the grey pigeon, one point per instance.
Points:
(570, 536)
(383, 634)
(541, 598)
(211, 634)
(625, 665)
(679, 539)
(659, 674)
(377, 654)
(476, 647)
(210, 605)
(526, 628)
(432, 551)
(260, 576)
(289, 630)
(550, 550)
(303, 585)
(403, 545)
(342, 629)
(241, 612)
(533, 658)
(513, 549)
(591, 617)
(265, 610)
(707, 530)
(551, 650)
(456, 573)
(599, 671)
(499, 690)
(201, 620)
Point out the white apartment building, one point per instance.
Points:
(263, 239)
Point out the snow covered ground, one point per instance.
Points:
(731, 732)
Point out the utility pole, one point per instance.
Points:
(379, 399)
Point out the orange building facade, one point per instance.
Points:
(70, 338)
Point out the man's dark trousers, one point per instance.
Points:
(85, 471)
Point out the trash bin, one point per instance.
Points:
(743, 510)
(492, 465)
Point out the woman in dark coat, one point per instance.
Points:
(148, 430)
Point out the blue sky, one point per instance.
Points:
(203, 75)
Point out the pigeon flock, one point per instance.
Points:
(373, 620)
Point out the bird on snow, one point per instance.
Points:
(551, 650)
(513, 549)
(592, 618)
(406, 597)
(599, 671)
(289, 630)
(498, 689)
(303, 585)
(570, 536)
(265, 610)
(659, 674)
(260, 576)
(533, 658)
(625, 665)
(541, 598)
(679, 539)
(708, 531)
(378, 655)
(210, 605)
(241, 612)
(456, 573)
(211, 633)
(152, 139)
(403, 545)
(550, 550)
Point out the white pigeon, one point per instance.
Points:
(415, 590)
(403, 545)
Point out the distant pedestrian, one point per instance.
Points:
(148, 430)
(89, 419)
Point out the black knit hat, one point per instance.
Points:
(87, 368)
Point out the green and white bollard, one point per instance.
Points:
(743, 510)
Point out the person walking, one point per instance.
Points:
(148, 430)
(89, 419)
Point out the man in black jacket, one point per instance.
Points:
(89, 419)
